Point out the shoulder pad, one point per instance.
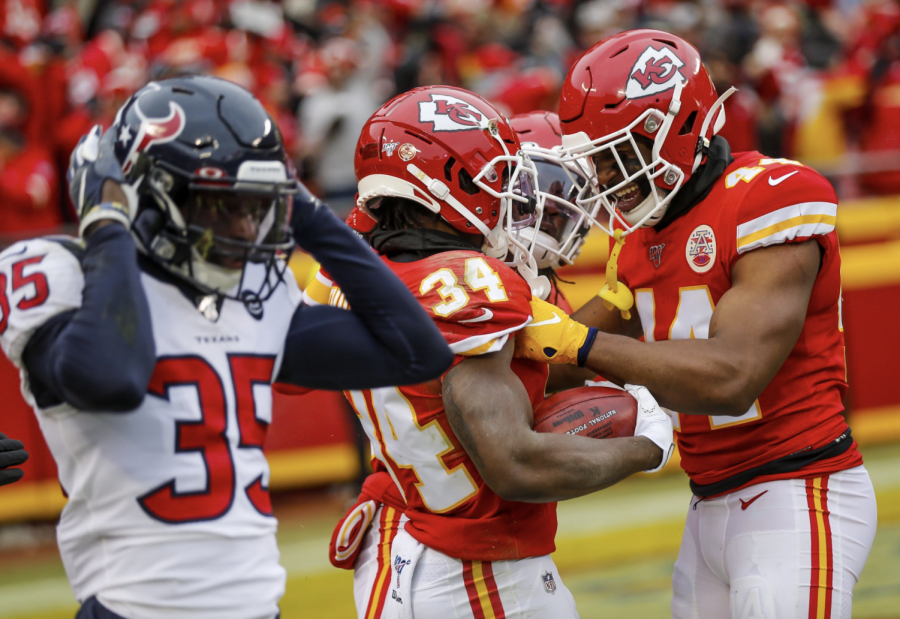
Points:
(778, 201)
(39, 279)
(476, 301)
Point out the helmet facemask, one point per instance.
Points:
(657, 178)
(213, 229)
(559, 235)
(661, 179)
(520, 208)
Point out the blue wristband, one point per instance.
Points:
(586, 347)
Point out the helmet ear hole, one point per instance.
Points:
(448, 169)
(688, 125)
(466, 183)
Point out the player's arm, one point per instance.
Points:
(100, 356)
(386, 338)
(753, 329)
(490, 412)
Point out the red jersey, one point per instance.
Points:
(477, 303)
(678, 275)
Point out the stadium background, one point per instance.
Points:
(819, 82)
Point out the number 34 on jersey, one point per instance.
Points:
(478, 276)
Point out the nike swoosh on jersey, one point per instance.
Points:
(746, 504)
(549, 321)
(774, 181)
(487, 315)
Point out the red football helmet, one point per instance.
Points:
(559, 234)
(455, 154)
(639, 83)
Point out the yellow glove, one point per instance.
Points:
(553, 337)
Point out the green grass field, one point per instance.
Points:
(615, 552)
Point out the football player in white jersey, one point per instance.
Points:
(148, 348)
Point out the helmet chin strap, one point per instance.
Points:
(720, 121)
(213, 276)
(549, 246)
(636, 214)
(614, 293)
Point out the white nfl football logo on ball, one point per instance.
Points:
(655, 71)
(447, 113)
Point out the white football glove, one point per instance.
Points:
(652, 422)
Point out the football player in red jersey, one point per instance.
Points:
(734, 264)
(459, 518)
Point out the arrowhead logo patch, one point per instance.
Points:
(700, 250)
(655, 71)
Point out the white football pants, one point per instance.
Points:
(787, 549)
(397, 577)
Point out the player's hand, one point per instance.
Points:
(95, 177)
(12, 453)
(653, 423)
(553, 337)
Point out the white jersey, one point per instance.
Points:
(168, 513)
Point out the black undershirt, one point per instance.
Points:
(718, 158)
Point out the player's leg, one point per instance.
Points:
(843, 518)
(795, 548)
(700, 590)
(531, 587)
(444, 587)
(372, 571)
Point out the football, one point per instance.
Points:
(595, 412)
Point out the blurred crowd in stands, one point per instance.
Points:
(819, 80)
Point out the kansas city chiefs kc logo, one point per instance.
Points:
(655, 71)
(447, 113)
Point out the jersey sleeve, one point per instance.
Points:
(39, 279)
(786, 203)
(476, 302)
(318, 291)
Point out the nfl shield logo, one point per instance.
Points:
(656, 254)
(549, 583)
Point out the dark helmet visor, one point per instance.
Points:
(232, 227)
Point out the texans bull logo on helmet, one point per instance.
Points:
(447, 113)
(151, 131)
(655, 71)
